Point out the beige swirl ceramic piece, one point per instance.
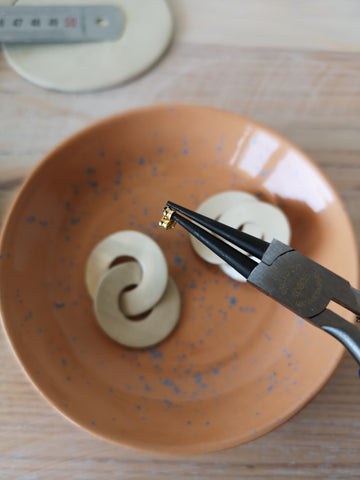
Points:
(93, 66)
(238, 365)
(143, 249)
(214, 207)
(149, 331)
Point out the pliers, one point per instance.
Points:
(292, 279)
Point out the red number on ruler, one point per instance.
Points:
(70, 22)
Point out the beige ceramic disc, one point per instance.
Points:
(93, 66)
(152, 284)
(139, 333)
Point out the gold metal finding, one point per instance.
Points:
(166, 221)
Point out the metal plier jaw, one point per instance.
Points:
(306, 288)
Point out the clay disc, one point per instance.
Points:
(93, 66)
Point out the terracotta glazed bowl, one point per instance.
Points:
(238, 364)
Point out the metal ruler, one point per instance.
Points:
(60, 24)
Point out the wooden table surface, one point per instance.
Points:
(294, 66)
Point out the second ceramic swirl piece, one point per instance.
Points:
(242, 210)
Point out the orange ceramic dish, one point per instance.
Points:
(238, 364)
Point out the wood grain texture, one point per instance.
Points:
(321, 25)
(310, 95)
